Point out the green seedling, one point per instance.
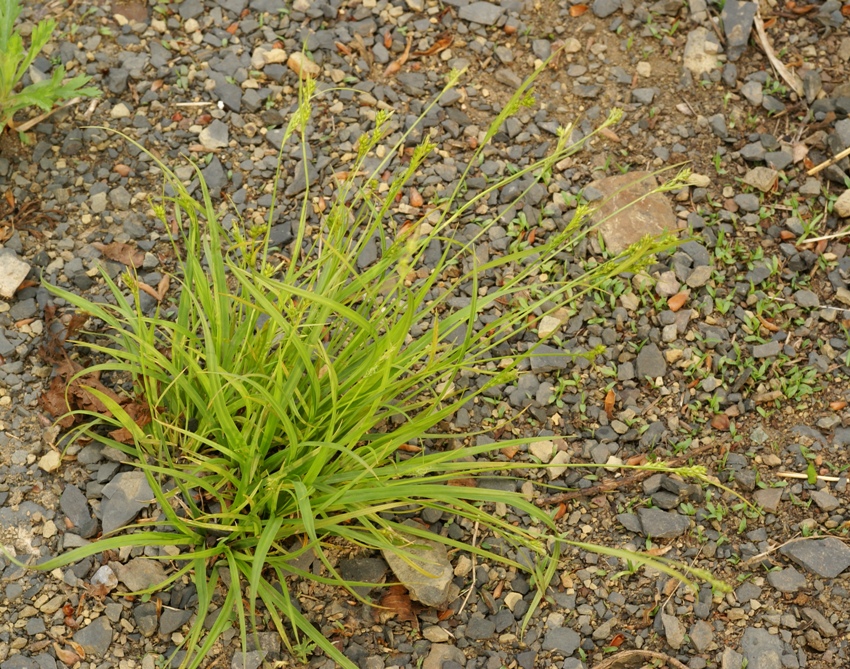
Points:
(14, 62)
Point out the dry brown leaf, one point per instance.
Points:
(410, 448)
(845, 10)
(66, 656)
(159, 292)
(78, 649)
(121, 252)
(659, 551)
(609, 134)
(416, 199)
(617, 641)
(678, 300)
(468, 482)
(396, 604)
(444, 41)
(720, 422)
(578, 10)
(561, 512)
(838, 405)
(767, 325)
(141, 415)
(53, 402)
(671, 586)
(388, 40)
(509, 451)
(342, 48)
(395, 67)
(610, 398)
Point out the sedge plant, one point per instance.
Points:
(285, 391)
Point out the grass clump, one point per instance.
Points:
(285, 393)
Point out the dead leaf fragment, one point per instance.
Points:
(720, 422)
(443, 42)
(610, 398)
(67, 657)
(395, 67)
(578, 10)
(396, 603)
(678, 300)
(416, 199)
(121, 252)
(838, 405)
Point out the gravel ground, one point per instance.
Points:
(731, 352)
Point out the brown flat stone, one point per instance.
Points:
(651, 215)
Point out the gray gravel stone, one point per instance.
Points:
(787, 580)
(604, 8)
(767, 350)
(123, 498)
(825, 500)
(96, 637)
(561, 639)
(806, 299)
(650, 363)
(548, 359)
(75, 506)
(825, 557)
(485, 13)
(702, 635)
(761, 649)
(674, 631)
(479, 628)
(660, 524)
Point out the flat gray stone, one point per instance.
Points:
(443, 652)
(561, 639)
(825, 557)
(761, 649)
(787, 580)
(674, 630)
(432, 587)
(96, 637)
(660, 524)
(650, 363)
(738, 23)
(604, 8)
(75, 506)
(825, 500)
(642, 214)
(480, 628)
(702, 635)
(139, 573)
(215, 136)
(123, 498)
(485, 13)
(768, 350)
(768, 498)
(548, 359)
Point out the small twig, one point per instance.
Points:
(26, 125)
(798, 475)
(472, 585)
(827, 163)
(194, 104)
(835, 235)
(790, 78)
(620, 484)
(631, 657)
